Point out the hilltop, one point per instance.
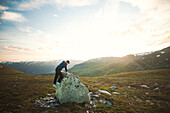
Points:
(111, 65)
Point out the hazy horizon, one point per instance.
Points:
(43, 30)
(80, 59)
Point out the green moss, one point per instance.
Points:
(72, 90)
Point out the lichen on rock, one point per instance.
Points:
(72, 90)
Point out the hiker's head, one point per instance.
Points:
(68, 62)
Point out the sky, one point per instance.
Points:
(41, 30)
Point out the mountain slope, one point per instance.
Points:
(111, 65)
(37, 67)
(4, 70)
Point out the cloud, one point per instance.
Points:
(165, 41)
(55, 15)
(158, 9)
(12, 16)
(35, 4)
(17, 49)
(3, 8)
(31, 32)
(33, 35)
(75, 3)
(25, 29)
(160, 42)
(32, 4)
(152, 25)
(2, 40)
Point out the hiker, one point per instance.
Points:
(58, 69)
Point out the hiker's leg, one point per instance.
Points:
(56, 76)
(61, 77)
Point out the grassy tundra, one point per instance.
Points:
(140, 91)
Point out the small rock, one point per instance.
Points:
(116, 93)
(151, 103)
(109, 103)
(106, 102)
(52, 105)
(96, 96)
(87, 106)
(156, 84)
(19, 106)
(56, 104)
(104, 91)
(147, 93)
(145, 86)
(93, 86)
(113, 87)
(157, 89)
(90, 93)
(91, 102)
(94, 106)
(138, 100)
(148, 101)
(49, 94)
(51, 101)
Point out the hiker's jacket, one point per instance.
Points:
(62, 65)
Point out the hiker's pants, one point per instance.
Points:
(58, 73)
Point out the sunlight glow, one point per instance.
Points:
(83, 30)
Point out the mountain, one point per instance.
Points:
(4, 70)
(37, 67)
(111, 65)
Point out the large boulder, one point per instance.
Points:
(72, 90)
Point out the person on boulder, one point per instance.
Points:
(58, 69)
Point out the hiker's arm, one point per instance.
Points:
(66, 68)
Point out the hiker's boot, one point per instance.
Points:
(59, 83)
(54, 86)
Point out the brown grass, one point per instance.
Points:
(18, 93)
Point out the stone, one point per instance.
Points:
(113, 87)
(129, 86)
(145, 86)
(49, 94)
(49, 102)
(157, 89)
(116, 93)
(147, 93)
(93, 86)
(72, 90)
(138, 100)
(148, 101)
(88, 106)
(106, 102)
(96, 96)
(91, 93)
(104, 91)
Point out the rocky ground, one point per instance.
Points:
(128, 92)
(145, 91)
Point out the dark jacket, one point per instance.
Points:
(62, 65)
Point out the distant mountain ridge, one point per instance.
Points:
(111, 65)
(37, 67)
